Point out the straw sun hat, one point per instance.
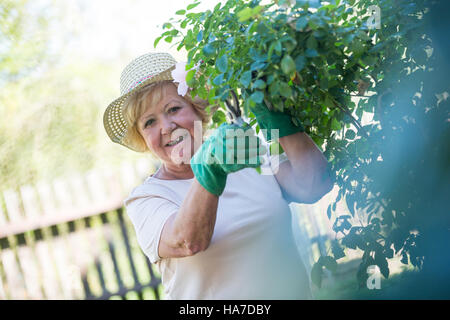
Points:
(142, 71)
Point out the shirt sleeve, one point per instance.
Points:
(148, 214)
(275, 159)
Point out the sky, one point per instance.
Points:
(112, 30)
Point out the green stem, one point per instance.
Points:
(353, 119)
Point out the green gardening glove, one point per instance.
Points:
(269, 120)
(230, 149)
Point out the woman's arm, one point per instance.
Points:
(304, 178)
(190, 229)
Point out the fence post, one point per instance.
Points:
(12, 203)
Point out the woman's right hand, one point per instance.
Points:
(230, 149)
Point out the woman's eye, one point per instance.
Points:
(173, 109)
(149, 122)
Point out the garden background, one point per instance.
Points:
(63, 233)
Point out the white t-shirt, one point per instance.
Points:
(252, 254)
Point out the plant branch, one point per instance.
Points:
(353, 119)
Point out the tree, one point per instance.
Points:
(23, 38)
(309, 60)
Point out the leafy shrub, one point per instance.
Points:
(312, 60)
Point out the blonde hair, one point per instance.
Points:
(137, 104)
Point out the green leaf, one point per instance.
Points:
(337, 250)
(324, 83)
(301, 23)
(382, 263)
(316, 274)
(328, 103)
(302, 3)
(311, 53)
(290, 45)
(350, 203)
(218, 80)
(404, 259)
(350, 134)
(362, 274)
(259, 84)
(244, 14)
(181, 12)
(285, 90)
(335, 125)
(350, 240)
(346, 225)
(287, 64)
(257, 65)
(192, 5)
(314, 3)
(357, 47)
(223, 93)
(190, 76)
(389, 253)
(248, 13)
(300, 62)
(219, 117)
(275, 148)
(246, 78)
(209, 50)
(200, 36)
(274, 88)
(257, 97)
(222, 63)
(311, 43)
(202, 93)
(278, 47)
(156, 42)
(269, 53)
(328, 262)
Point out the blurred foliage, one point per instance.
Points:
(342, 285)
(51, 124)
(51, 102)
(311, 59)
(23, 38)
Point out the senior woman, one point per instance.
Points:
(216, 229)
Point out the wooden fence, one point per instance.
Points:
(70, 239)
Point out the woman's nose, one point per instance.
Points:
(167, 126)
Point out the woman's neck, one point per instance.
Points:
(182, 172)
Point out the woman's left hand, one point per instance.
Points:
(229, 149)
(271, 119)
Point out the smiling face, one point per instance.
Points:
(168, 127)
